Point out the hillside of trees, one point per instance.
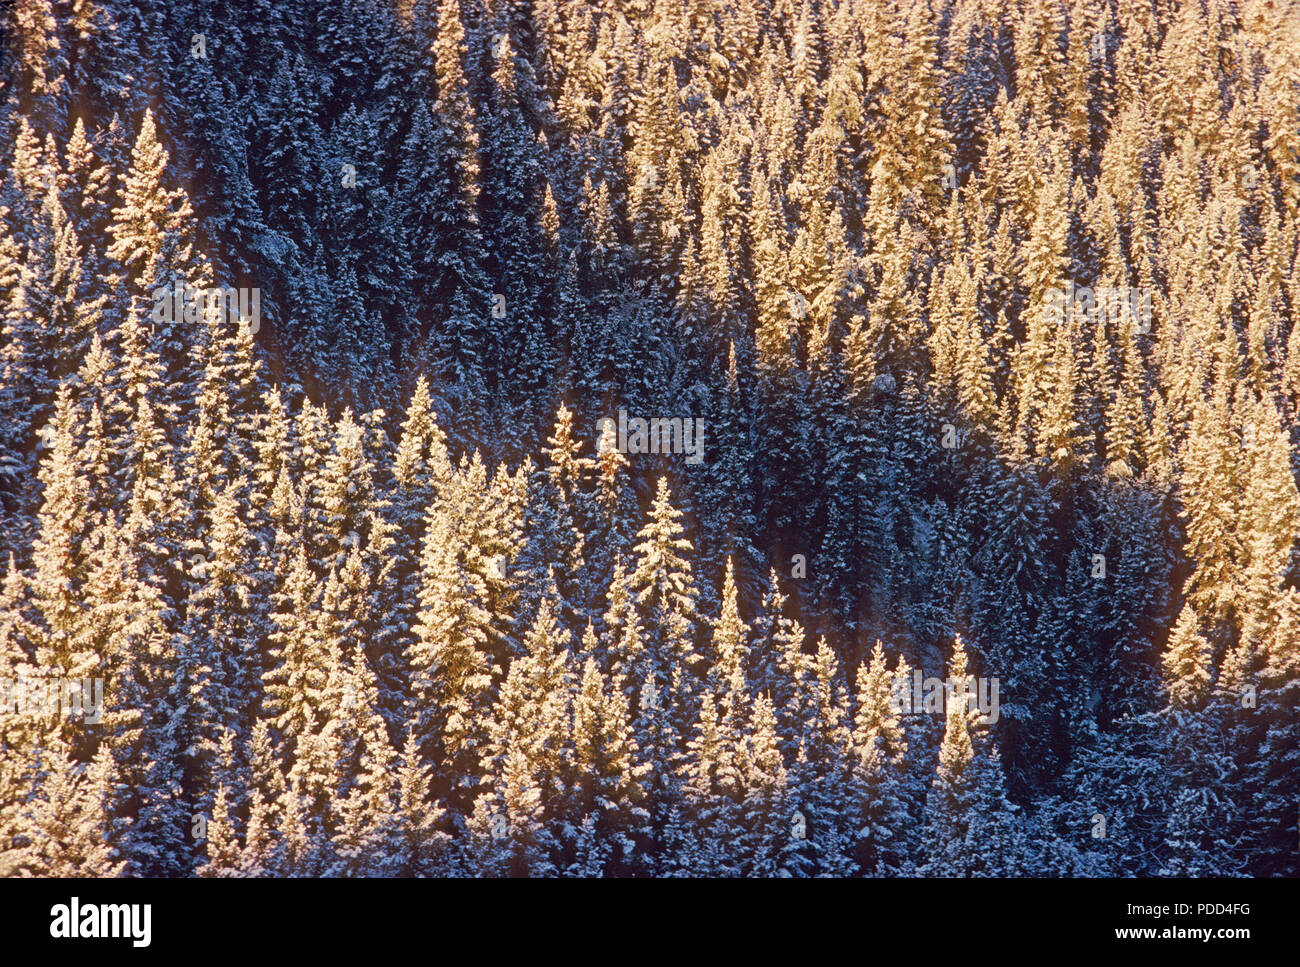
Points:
(372, 588)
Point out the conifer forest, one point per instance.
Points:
(649, 438)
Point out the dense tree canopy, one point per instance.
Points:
(657, 419)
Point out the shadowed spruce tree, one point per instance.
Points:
(970, 826)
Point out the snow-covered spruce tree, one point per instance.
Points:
(153, 249)
(613, 527)
(971, 829)
(64, 828)
(607, 789)
(665, 590)
(527, 753)
(879, 745)
(559, 509)
(449, 664)
(1200, 809)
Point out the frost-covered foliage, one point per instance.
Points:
(986, 314)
